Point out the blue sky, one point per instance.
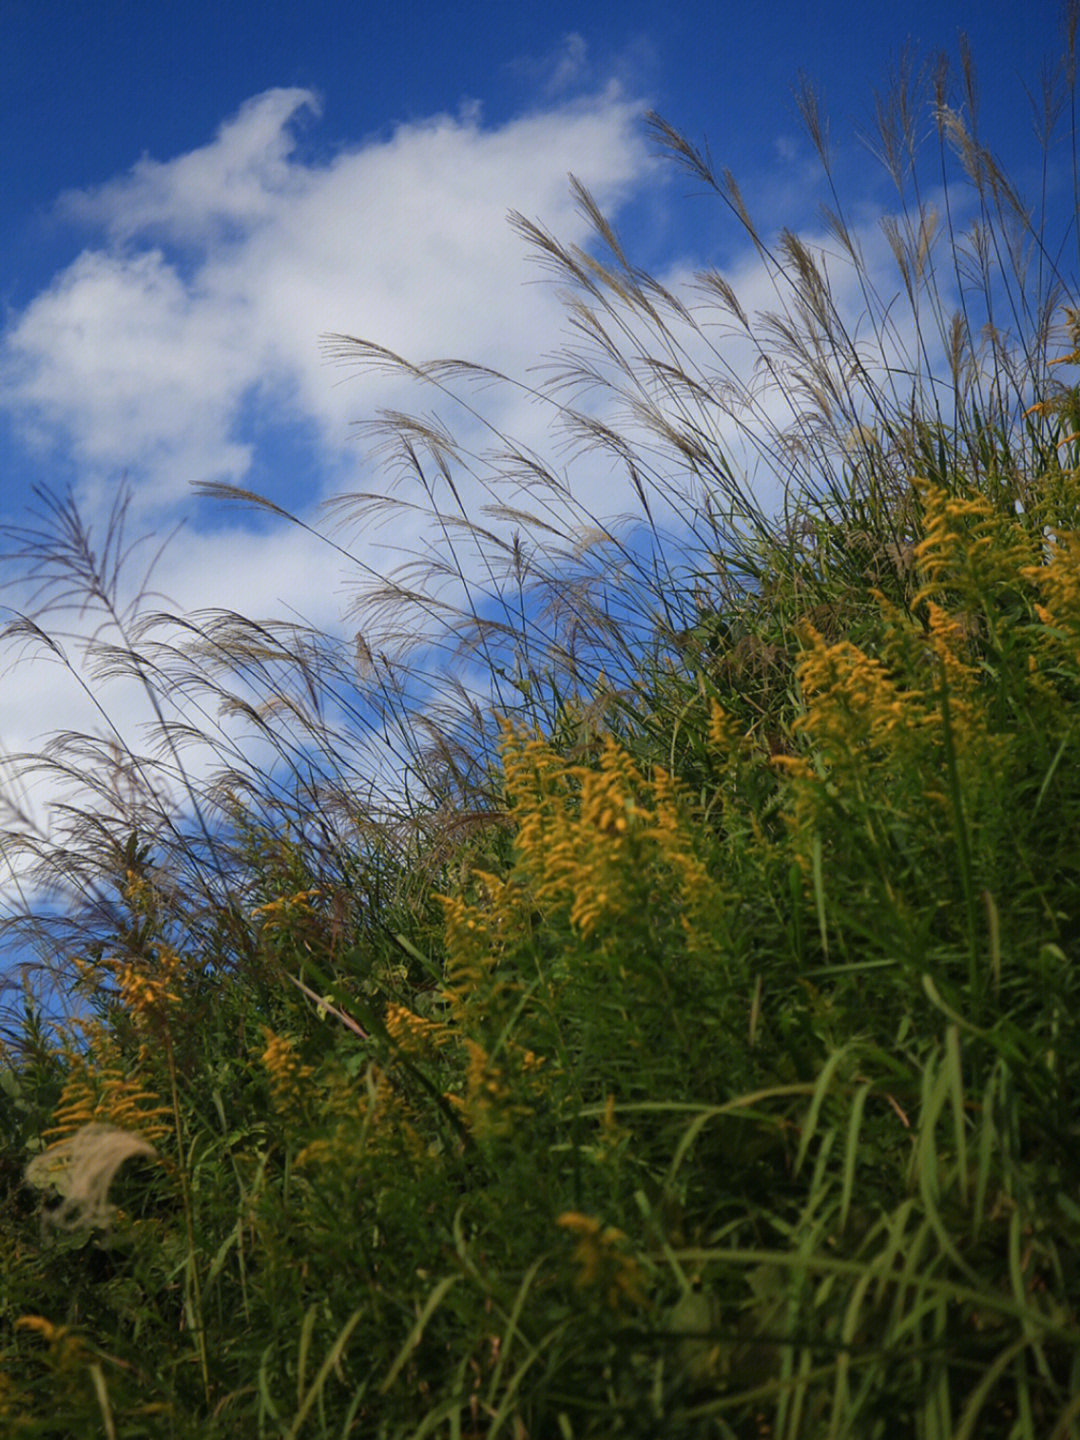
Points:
(86, 89)
(194, 193)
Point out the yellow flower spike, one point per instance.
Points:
(137, 891)
(486, 1101)
(968, 546)
(412, 1033)
(99, 1092)
(280, 913)
(587, 836)
(721, 728)
(286, 1072)
(797, 766)
(850, 699)
(601, 1260)
(1059, 582)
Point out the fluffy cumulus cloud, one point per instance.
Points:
(155, 351)
(121, 363)
(228, 186)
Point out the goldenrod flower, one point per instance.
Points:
(411, 1033)
(102, 1088)
(602, 1260)
(287, 1073)
(277, 914)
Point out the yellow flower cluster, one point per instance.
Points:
(486, 1103)
(593, 840)
(98, 1090)
(968, 547)
(851, 701)
(287, 1073)
(150, 994)
(723, 733)
(698, 893)
(413, 1034)
(138, 892)
(1058, 580)
(367, 1122)
(575, 826)
(66, 1347)
(856, 707)
(279, 914)
(147, 989)
(871, 718)
(476, 932)
(603, 1264)
(972, 741)
(601, 849)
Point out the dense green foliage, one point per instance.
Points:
(698, 1058)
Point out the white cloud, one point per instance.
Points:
(260, 576)
(236, 182)
(133, 371)
(225, 265)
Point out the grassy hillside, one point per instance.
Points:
(686, 1043)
